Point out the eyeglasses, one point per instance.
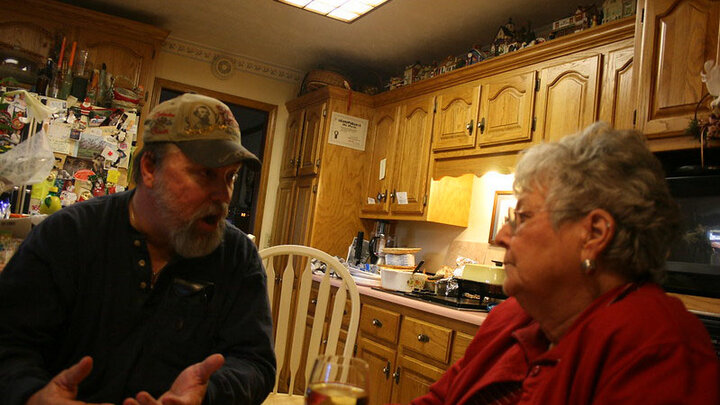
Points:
(515, 217)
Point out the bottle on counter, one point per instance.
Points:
(66, 84)
(44, 78)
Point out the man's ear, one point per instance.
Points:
(147, 169)
(599, 228)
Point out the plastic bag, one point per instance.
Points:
(29, 162)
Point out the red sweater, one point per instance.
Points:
(631, 346)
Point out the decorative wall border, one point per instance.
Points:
(230, 61)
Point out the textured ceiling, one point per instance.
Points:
(373, 47)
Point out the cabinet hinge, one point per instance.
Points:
(537, 84)
(642, 16)
(314, 188)
(324, 112)
(634, 118)
(435, 106)
(425, 200)
(534, 124)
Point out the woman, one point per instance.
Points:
(586, 322)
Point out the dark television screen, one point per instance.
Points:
(694, 262)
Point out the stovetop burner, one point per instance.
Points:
(462, 303)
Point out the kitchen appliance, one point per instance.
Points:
(378, 241)
(693, 266)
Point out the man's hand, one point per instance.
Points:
(189, 387)
(62, 389)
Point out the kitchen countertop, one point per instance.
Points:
(467, 316)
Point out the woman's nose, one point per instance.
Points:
(502, 238)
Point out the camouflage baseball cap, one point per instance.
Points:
(202, 127)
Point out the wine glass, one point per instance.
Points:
(338, 380)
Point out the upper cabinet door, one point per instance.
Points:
(455, 115)
(310, 141)
(506, 109)
(382, 136)
(412, 156)
(673, 41)
(289, 162)
(617, 101)
(567, 101)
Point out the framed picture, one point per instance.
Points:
(504, 200)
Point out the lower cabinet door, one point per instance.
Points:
(381, 360)
(412, 378)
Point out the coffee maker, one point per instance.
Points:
(378, 241)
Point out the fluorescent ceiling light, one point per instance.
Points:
(343, 10)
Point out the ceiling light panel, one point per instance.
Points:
(343, 10)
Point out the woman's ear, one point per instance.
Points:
(600, 230)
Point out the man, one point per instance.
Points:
(148, 296)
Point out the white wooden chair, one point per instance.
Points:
(291, 329)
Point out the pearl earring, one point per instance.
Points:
(588, 266)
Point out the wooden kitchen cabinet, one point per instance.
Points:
(398, 183)
(617, 100)
(506, 109)
(381, 141)
(293, 134)
(567, 97)
(455, 117)
(294, 205)
(412, 156)
(407, 350)
(317, 196)
(127, 48)
(413, 378)
(673, 39)
(309, 153)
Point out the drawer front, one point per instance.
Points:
(427, 339)
(379, 323)
(462, 341)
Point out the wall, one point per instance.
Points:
(442, 244)
(193, 64)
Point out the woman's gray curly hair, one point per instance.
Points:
(612, 170)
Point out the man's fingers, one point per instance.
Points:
(71, 377)
(210, 365)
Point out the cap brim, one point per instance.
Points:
(218, 153)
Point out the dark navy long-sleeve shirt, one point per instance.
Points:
(80, 285)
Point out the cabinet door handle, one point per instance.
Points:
(292, 162)
(313, 301)
(423, 338)
(381, 196)
(386, 370)
(469, 127)
(396, 376)
(392, 196)
(481, 125)
(376, 322)
(317, 163)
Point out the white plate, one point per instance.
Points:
(366, 282)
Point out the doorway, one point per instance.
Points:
(257, 126)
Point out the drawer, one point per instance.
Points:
(462, 341)
(346, 310)
(427, 339)
(379, 323)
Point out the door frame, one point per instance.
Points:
(271, 109)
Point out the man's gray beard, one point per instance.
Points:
(181, 236)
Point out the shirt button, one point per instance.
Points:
(136, 243)
(535, 371)
(143, 285)
(141, 263)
